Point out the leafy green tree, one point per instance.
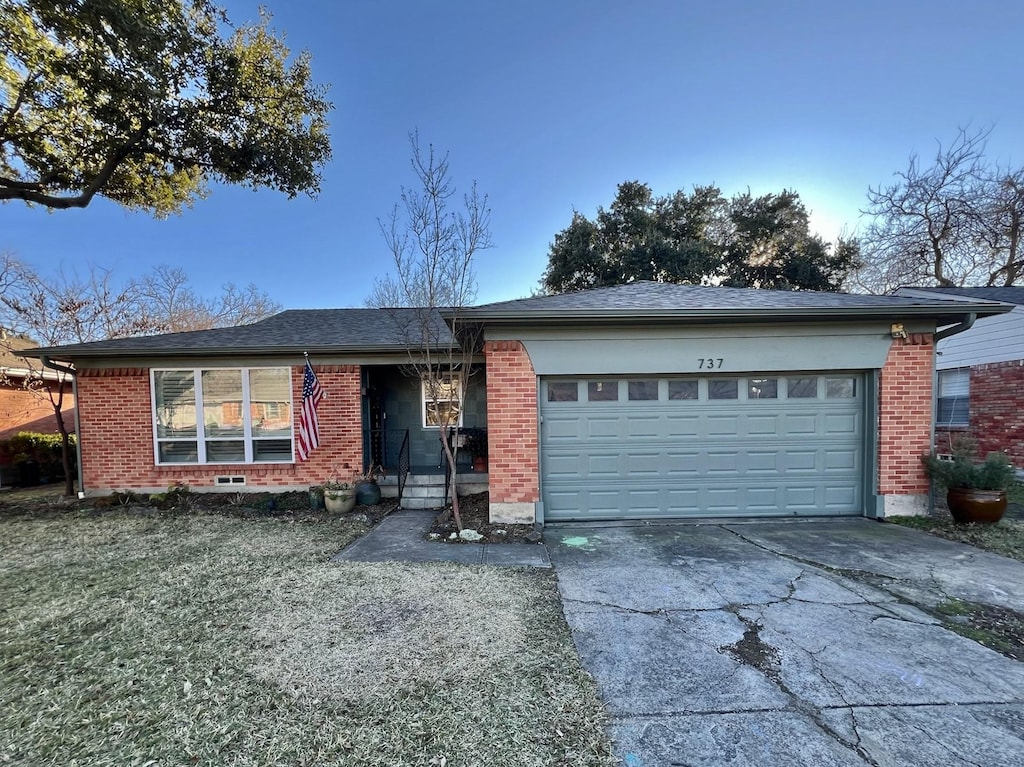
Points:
(770, 245)
(697, 238)
(639, 237)
(146, 101)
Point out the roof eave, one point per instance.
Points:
(942, 314)
(65, 355)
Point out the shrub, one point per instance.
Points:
(43, 449)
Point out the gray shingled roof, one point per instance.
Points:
(380, 330)
(291, 331)
(1011, 295)
(646, 300)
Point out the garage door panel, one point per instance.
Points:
(801, 461)
(603, 427)
(721, 425)
(644, 427)
(682, 427)
(842, 424)
(697, 457)
(837, 460)
(763, 425)
(763, 462)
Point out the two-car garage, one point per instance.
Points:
(649, 446)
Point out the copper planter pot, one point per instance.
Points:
(981, 506)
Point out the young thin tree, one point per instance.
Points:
(433, 244)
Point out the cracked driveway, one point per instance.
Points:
(797, 642)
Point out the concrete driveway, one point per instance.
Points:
(791, 643)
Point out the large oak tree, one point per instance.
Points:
(698, 238)
(146, 101)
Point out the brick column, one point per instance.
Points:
(905, 424)
(513, 458)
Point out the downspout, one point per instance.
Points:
(70, 371)
(965, 324)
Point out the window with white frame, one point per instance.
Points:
(442, 401)
(954, 397)
(222, 415)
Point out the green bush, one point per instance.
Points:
(43, 449)
(994, 473)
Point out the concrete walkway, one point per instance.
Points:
(791, 643)
(401, 536)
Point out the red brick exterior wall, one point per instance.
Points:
(22, 410)
(115, 415)
(512, 439)
(996, 412)
(905, 415)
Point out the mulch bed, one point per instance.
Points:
(475, 512)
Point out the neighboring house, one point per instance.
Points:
(980, 375)
(645, 400)
(21, 409)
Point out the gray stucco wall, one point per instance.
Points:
(726, 349)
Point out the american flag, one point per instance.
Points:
(309, 424)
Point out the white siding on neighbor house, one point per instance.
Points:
(991, 339)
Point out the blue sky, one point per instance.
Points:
(548, 105)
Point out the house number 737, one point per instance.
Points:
(707, 363)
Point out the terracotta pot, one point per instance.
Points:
(983, 506)
(479, 463)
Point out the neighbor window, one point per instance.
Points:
(223, 415)
(442, 401)
(953, 406)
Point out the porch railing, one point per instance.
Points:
(389, 448)
(403, 465)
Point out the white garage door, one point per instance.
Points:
(717, 446)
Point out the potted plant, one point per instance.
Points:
(366, 488)
(339, 495)
(975, 492)
(476, 444)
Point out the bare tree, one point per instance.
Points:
(956, 222)
(68, 309)
(433, 246)
(170, 300)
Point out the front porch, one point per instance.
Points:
(425, 486)
(399, 436)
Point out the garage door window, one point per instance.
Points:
(682, 390)
(723, 388)
(763, 388)
(563, 391)
(802, 388)
(602, 391)
(643, 390)
(840, 388)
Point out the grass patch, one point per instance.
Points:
(135, 639)
(999, 628)
(1006, 537)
